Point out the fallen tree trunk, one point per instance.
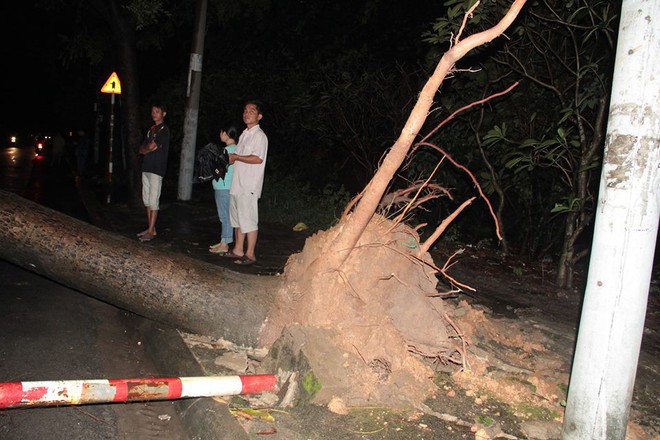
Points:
(182, 292)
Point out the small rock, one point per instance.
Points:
(537, 430)
(481, 434)
(265, 399)
(233, 361)
(337, 406)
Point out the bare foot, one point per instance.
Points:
(147, 237)
(221, 248)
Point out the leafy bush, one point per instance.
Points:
(288, 201)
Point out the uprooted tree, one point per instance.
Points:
(360, 300)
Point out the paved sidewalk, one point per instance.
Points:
(190, 227)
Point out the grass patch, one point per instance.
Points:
(534, 412)
(485, 420)
(311, 385)
(288, 201)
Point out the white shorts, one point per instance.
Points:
(244, 212)
(151, 186)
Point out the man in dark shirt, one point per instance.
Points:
(154, 165)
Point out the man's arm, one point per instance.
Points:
(252, 159)
(148, 148)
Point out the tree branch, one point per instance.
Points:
(440, 229)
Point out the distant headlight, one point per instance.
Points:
(12, 139)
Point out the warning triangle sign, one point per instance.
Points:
(112, 85)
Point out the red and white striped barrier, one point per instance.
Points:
(79, 392)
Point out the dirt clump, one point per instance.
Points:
(379, 306)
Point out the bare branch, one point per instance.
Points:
(467, 15)
(440, 229)
(465, 107)
(474, 180)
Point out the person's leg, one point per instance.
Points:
(249, 221)
(155, 185)
(240, 243)
(145, 201)
(152, 222)
(218, 208)
(222, 201)
(234, 219)
(251, 244)
(223, 210)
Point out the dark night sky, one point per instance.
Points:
(34, 82)
(28, 78)
(39, 94)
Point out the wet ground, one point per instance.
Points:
(190, 227)
(51, 332)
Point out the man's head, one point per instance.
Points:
(252, 113)
(158, 112)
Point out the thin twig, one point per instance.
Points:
(345, 278)
(98, 419)
(459, 333)
(441, 228)
(467, 15)
(393, 275)
(398, 219)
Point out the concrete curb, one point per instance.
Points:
(202, 418)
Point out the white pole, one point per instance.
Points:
(626, 227)
(187, 161)
(112, 127)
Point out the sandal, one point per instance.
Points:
(245, 261)
(147, 237)
(231, 254)
(218, 250)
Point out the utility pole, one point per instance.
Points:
(113, 87)
(187, 161)
(626, 227)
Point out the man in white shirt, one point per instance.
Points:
(249, 161)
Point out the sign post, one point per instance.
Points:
(112, 86)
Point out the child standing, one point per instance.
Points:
(228, 136)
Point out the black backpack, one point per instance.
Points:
(211, 163)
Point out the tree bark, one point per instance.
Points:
(185, 293)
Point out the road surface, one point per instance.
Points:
(51, 332)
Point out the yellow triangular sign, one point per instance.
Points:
(112, 85)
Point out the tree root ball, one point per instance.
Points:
(377, 307)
